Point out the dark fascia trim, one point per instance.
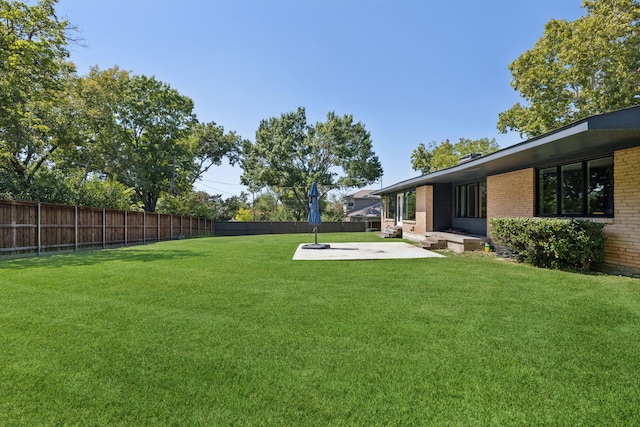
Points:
(627, 118)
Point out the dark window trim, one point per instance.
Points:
(390, 207)
(405, 200)
(585, 183)
(462, 191)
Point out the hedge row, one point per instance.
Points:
(552, 242)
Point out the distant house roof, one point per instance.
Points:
(362, 194)
(598, 135)
(373, 211)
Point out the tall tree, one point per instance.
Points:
(136, 130)
(578, 68)
(156, 121)
(120, 112)
(433, 157)
(34, 72)
(96, 99)
(210, 144)
(289, 154)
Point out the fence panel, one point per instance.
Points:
(57, 227)
(115, 227)
(265, 227)
(135, 228)
(165, 228)
(19, 229)
(151, 227)
(177, 226)
(90, 228)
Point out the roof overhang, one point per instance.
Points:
(591, 137)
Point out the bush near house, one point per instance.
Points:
(552, 242)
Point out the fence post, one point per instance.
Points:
(14, 227)
(104, 228)
(125, 228)
(158, 236)
(39, 232)
(144, 227)
(76, 230)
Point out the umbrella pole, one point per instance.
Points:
(315, 230)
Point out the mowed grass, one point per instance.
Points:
(232, 331)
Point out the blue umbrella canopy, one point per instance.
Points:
(314, 217)
(314, 206)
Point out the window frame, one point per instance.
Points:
(560, 183)
(409, 198)
(471, 197)
(390, 211)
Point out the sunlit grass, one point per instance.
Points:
(232, 331)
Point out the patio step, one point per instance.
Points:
(391, 232)
(456, 242)
(433, 243)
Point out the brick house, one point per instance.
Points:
(589, 169)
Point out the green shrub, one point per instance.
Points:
(552, 242)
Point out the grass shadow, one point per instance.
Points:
(140, 254)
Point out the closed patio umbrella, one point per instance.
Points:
(314, 216)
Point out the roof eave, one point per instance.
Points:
(620, 124)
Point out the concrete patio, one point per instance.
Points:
(364, 251)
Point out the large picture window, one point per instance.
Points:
(471, 200)
(410, 205)
(576, 189)
(390, 210)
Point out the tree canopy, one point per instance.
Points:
(433, 157)
(109, 138)
(33, 89)
(577, 69)
(289, 154)
(154, 123)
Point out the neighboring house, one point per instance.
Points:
(362, 206)
(589, 169)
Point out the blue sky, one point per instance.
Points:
(411, 71)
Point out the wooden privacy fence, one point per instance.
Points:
(264, 227)
(34, 228)
(27, 227)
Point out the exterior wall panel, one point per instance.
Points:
(623, 234)
(424, 209)
(511, 194)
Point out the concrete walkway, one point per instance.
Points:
(363, 251)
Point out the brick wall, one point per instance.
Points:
(511, 194)
(424, 209)
(623, 243)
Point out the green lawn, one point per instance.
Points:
(232, 331)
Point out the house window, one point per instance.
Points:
(576, 189)
(471, 200)
(410, 205)
(390, 211)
